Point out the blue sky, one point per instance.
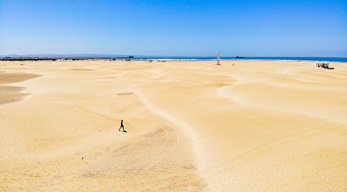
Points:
(175, 28)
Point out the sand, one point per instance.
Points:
(248, 125)
(11, 94)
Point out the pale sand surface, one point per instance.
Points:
(258, 125)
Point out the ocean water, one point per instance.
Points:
(339, 59)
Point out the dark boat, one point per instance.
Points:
(238, 57)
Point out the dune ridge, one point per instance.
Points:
(10, 94)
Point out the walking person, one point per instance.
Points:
(121, 126)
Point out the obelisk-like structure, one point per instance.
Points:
(218, 58)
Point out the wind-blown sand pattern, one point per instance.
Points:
(11, 94)
(257, 125)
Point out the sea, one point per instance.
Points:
(337, 59)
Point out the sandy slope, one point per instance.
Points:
(11, 94)
(192, 126)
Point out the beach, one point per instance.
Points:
(247, 125)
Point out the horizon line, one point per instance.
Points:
(123, 55)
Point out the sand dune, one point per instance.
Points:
(11, 94)
(248, 125)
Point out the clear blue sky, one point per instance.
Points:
(175, 27)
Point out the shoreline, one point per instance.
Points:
(164, 59)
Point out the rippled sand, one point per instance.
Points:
(248, 125)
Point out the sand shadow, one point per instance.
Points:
(11, 94)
